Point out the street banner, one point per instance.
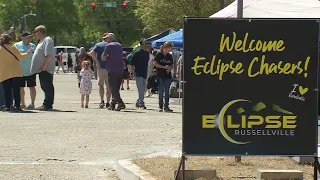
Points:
(250, 87)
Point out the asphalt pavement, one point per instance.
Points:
(79, 144)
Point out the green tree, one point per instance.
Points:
(159, 15)
(60, 16)
(12, 11)
(120, 21)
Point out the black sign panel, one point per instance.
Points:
(250, 87)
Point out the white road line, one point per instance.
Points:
(104, 163)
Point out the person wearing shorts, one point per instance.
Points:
(101, 71)
(28, 79)
(30, 82)
(102, 77)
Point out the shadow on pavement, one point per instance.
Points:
(23, 112)
(55, 110)
(132, 111)
(99, 103)
(164, 112)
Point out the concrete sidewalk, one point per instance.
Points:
(80, 144)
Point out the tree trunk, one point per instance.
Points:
(221, 2)
(196, 7)
(55, 40)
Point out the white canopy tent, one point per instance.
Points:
(273, 9)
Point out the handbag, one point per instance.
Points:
(10, 52)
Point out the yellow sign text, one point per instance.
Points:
(254, 65)
(253, 45)
(270, 122)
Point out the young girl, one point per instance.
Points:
(85, 83)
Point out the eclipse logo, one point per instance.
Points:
(252, 125)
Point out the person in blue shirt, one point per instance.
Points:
(102, 70)
(28, 79)
(139, 65)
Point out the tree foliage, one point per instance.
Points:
(59, 16)
(159, 15)
(120, 21)
(72, 22)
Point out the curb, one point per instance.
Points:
(126, 170)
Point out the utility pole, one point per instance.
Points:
(24, 21)
(239, 16)
(240, 9)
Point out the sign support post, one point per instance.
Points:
(316, 168)
(182, 168)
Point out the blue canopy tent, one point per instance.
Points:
(176, 38)
(159, 36)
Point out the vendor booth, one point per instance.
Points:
(159, 36)
(176, 38)
(273, 9)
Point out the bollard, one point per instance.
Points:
(238, 158)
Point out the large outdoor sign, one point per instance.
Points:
(250, 87)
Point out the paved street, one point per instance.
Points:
(80, 144)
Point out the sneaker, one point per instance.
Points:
(120, 106)
(167, 109)
(112, 107)
(143, 107)
(23, 106)
(44, 108)
(160, 109)
(137, 104)
(101, 105)
(31, 107)
(107, 105)
(15, 110)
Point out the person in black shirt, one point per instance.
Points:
(163, 63)
(69, 63)
(139, 62)
(126, 73)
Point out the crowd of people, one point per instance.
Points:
(23, 61)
